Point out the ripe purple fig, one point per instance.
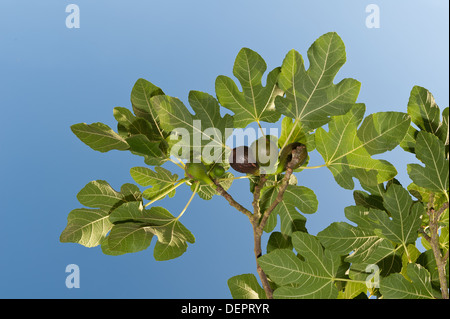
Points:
(243, 160)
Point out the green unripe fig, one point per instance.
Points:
(266, 153)
(286, 156)
(197, 171)
(217, 171)
(243, 160)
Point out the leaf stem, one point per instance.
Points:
(314, 167)
(234, 178)
(189, 201)
(176, 184)
(260, 127)
(176, 163)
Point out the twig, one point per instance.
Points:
(445, 258)
(424, 234)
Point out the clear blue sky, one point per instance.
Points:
(52, 77)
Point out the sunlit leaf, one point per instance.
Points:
(100, 137)
(245, 286)
(89, 227)
(423, 110)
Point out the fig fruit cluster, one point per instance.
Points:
(199, 172)
(262, 157)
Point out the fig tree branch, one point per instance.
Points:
(434, 243)
(231, 200)
(256, 220)
(258, 252)
(284, 184)
(258, 226)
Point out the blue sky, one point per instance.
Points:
(52, 77)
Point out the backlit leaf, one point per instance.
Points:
(311, 96)
(404, 221)
(87, 227)
(347, 150)
(255, 103)
(395, 286)
(141, 95)
(312, 277)
(137, 226)
(206, 128)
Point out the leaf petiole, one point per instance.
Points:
(350, 280)
(260, 127)
(176, 185)
(233, 178)
(314, 167)
(189, 201)
(177, 164)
